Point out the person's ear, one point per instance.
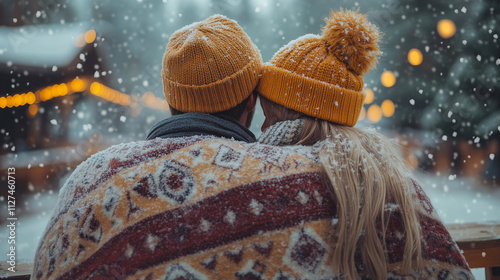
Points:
(252, 101)
(265, 125)
(247, 116)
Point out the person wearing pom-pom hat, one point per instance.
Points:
(384, 225)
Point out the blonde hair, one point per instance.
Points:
(364, 174)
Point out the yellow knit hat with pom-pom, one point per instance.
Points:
(320, 76)
(210, 66)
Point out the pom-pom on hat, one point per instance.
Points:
(210, 66)
(321, 76)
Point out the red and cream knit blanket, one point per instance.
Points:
(208, 208)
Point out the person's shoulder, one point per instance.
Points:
(230, 153)
(278, 156)
(121, 156)
(265, 150)
(309, 153)
(131, 151)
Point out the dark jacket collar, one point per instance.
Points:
(193, 124)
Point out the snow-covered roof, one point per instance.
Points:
(41, 45)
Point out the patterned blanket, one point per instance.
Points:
(208, 208)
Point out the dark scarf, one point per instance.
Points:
(193, 124)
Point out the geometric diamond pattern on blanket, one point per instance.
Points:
(228, 158)
(444, 274)
(252, 270)
(151, 242)
(318, 197)
(283, 276)
(132, 207)
(230, 217)
(210, 263)
(196, 152)
(60, 245)
(151, 214)
(270, 155)
(183, 272)
(255, 207)
(148, 277)
(146, 186)
(38, 268)
(235, 255)
(424, 200)
(110, 200)
(91, 228)
(302, 198)
(306, 251)
(264, 248)
(430, 270)
(129, 251)
(176, 181)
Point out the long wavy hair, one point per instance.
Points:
(364, 174)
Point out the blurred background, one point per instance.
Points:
(79, 76)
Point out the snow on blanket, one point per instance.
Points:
(205, 208)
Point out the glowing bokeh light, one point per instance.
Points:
(388, 79)
(370, 96)
(388, 108)
(415, 57)
(446, 28)
(32, 109)
(90, 36)
(374, 113)
(362, 114)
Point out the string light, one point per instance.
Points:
(78, 85)
(16, 100)
(3, 102)
(32, 109)
(9, 101)
(81, 85)
(30, 98)
(110, 94)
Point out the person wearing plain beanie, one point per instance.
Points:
(210, 66)
(210, 70)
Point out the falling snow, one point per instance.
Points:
(451, 115)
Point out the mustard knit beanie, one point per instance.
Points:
(210, 66)
(320, 76)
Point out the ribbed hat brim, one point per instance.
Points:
(214, 97)
(310, 96)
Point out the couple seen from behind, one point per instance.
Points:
(202, 198)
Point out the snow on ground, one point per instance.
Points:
(461, 200)
(458, 201)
